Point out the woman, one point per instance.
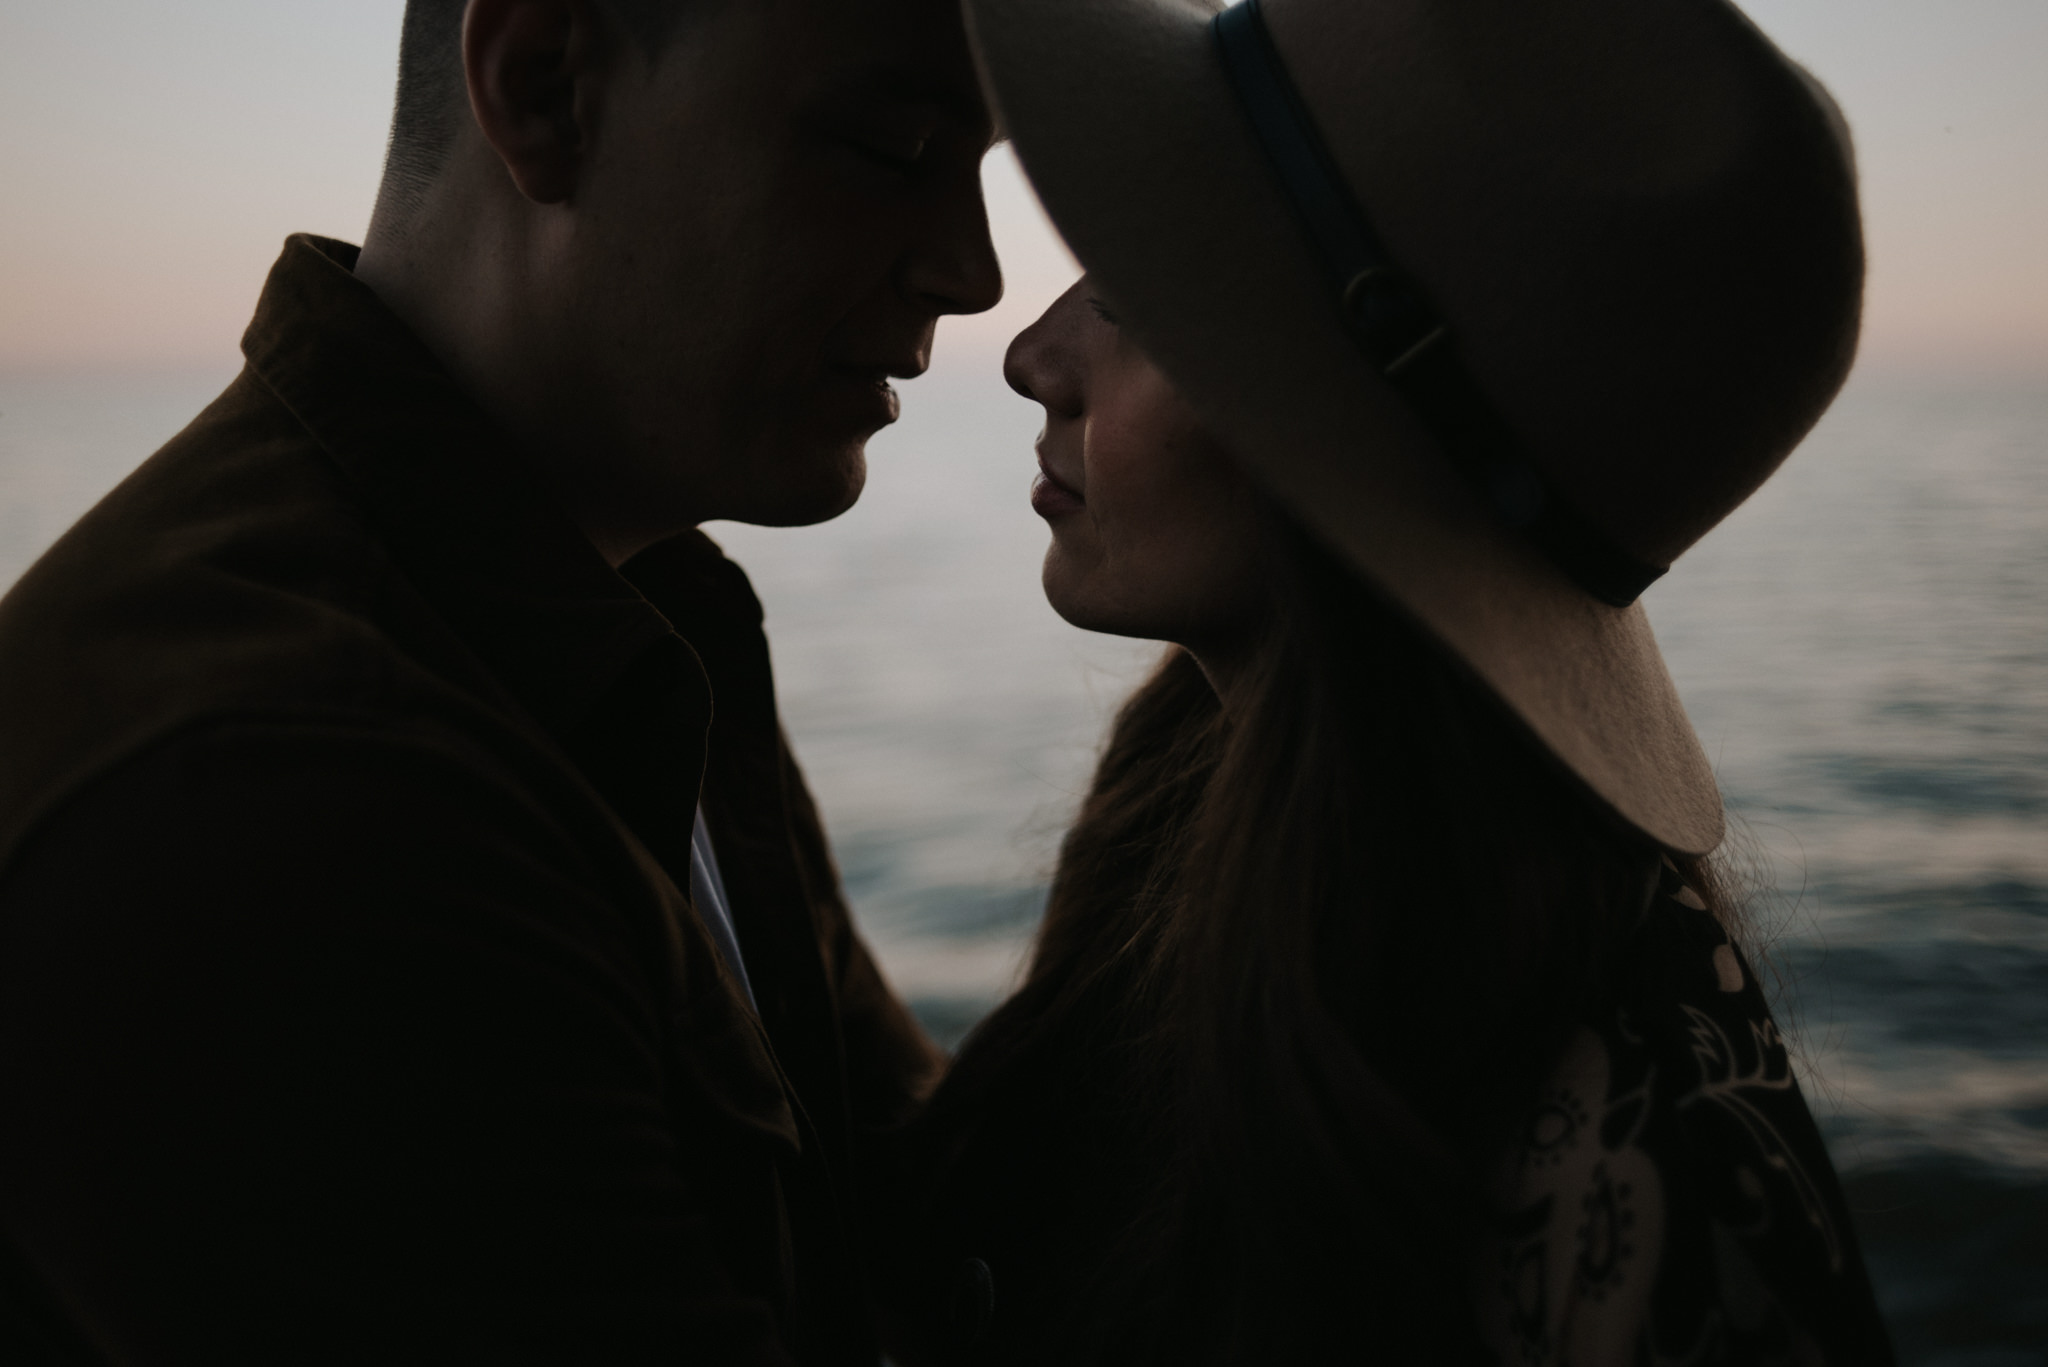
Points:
(1386, 1006)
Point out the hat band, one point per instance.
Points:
(1387, 315)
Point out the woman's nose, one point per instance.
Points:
(1042, 366)
(1018, 367)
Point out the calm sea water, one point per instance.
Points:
(1864, 647)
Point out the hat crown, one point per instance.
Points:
(1638, 219)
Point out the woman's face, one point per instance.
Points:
(1154, 532)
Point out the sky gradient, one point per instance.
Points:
(157, 154)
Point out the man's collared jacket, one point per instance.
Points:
(352, 1004)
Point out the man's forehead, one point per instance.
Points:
(908, 49)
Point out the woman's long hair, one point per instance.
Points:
(1317, 956)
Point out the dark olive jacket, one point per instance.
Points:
(352, 1008)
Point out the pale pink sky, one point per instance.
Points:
(156, 155)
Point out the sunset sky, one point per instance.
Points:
(157, 154)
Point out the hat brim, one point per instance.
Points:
(1123, 118)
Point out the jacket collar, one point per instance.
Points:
(456, 504)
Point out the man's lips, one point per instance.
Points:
(1051, 496)
(870, 389)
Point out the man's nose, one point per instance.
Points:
(954, 269)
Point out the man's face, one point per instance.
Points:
(774, 214)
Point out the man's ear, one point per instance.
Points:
(528, 68)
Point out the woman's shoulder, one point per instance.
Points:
(1669, 1197)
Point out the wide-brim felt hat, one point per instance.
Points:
(1646, 267)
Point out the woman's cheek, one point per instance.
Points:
(1134, 464)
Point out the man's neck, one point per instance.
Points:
(459, 296)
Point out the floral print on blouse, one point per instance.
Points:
(1670, 1201)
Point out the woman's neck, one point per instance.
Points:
(1229, 670)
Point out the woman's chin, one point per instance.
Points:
(1080, 607)
(1072, 610)
(1065, 590)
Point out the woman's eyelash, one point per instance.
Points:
(1100, 312)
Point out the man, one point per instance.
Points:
(416, 941)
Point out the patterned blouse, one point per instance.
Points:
(1671, 1201)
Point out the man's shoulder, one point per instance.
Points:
(230, 575)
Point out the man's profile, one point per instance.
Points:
(416, 940)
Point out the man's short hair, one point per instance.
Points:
(432, 93)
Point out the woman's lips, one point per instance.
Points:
(1050, 498)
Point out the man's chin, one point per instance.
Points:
(831, 485)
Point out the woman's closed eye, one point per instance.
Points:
(1102, 311)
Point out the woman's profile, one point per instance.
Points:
(1390, 1005)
